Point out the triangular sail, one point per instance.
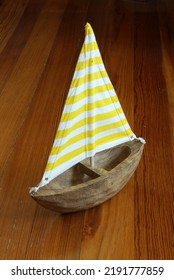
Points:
(92, 119)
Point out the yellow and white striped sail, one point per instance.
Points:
(92, 119)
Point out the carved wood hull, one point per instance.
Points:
(83, 187)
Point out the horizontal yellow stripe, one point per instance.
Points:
(89, 133)
(88, 29)
(67, 131)
(89, 62)
(105, 140)
(88, 78)
(88, 120)
(115, 136)
(57, 150)
(89, 47)
(51, 166)
(90, 91)
(87, 107)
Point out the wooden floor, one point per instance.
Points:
(39, 44)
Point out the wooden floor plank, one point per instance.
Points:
(18, 40)
(18, 91)
(38, 57)
(167, 43)
(153, 182)
(10, 14)
(15, 98)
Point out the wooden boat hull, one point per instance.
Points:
(83, 187)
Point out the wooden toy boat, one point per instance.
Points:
(95, 151)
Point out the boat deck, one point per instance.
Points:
(40, 44)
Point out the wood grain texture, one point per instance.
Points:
(40, 43)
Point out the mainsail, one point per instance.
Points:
(92, 119)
